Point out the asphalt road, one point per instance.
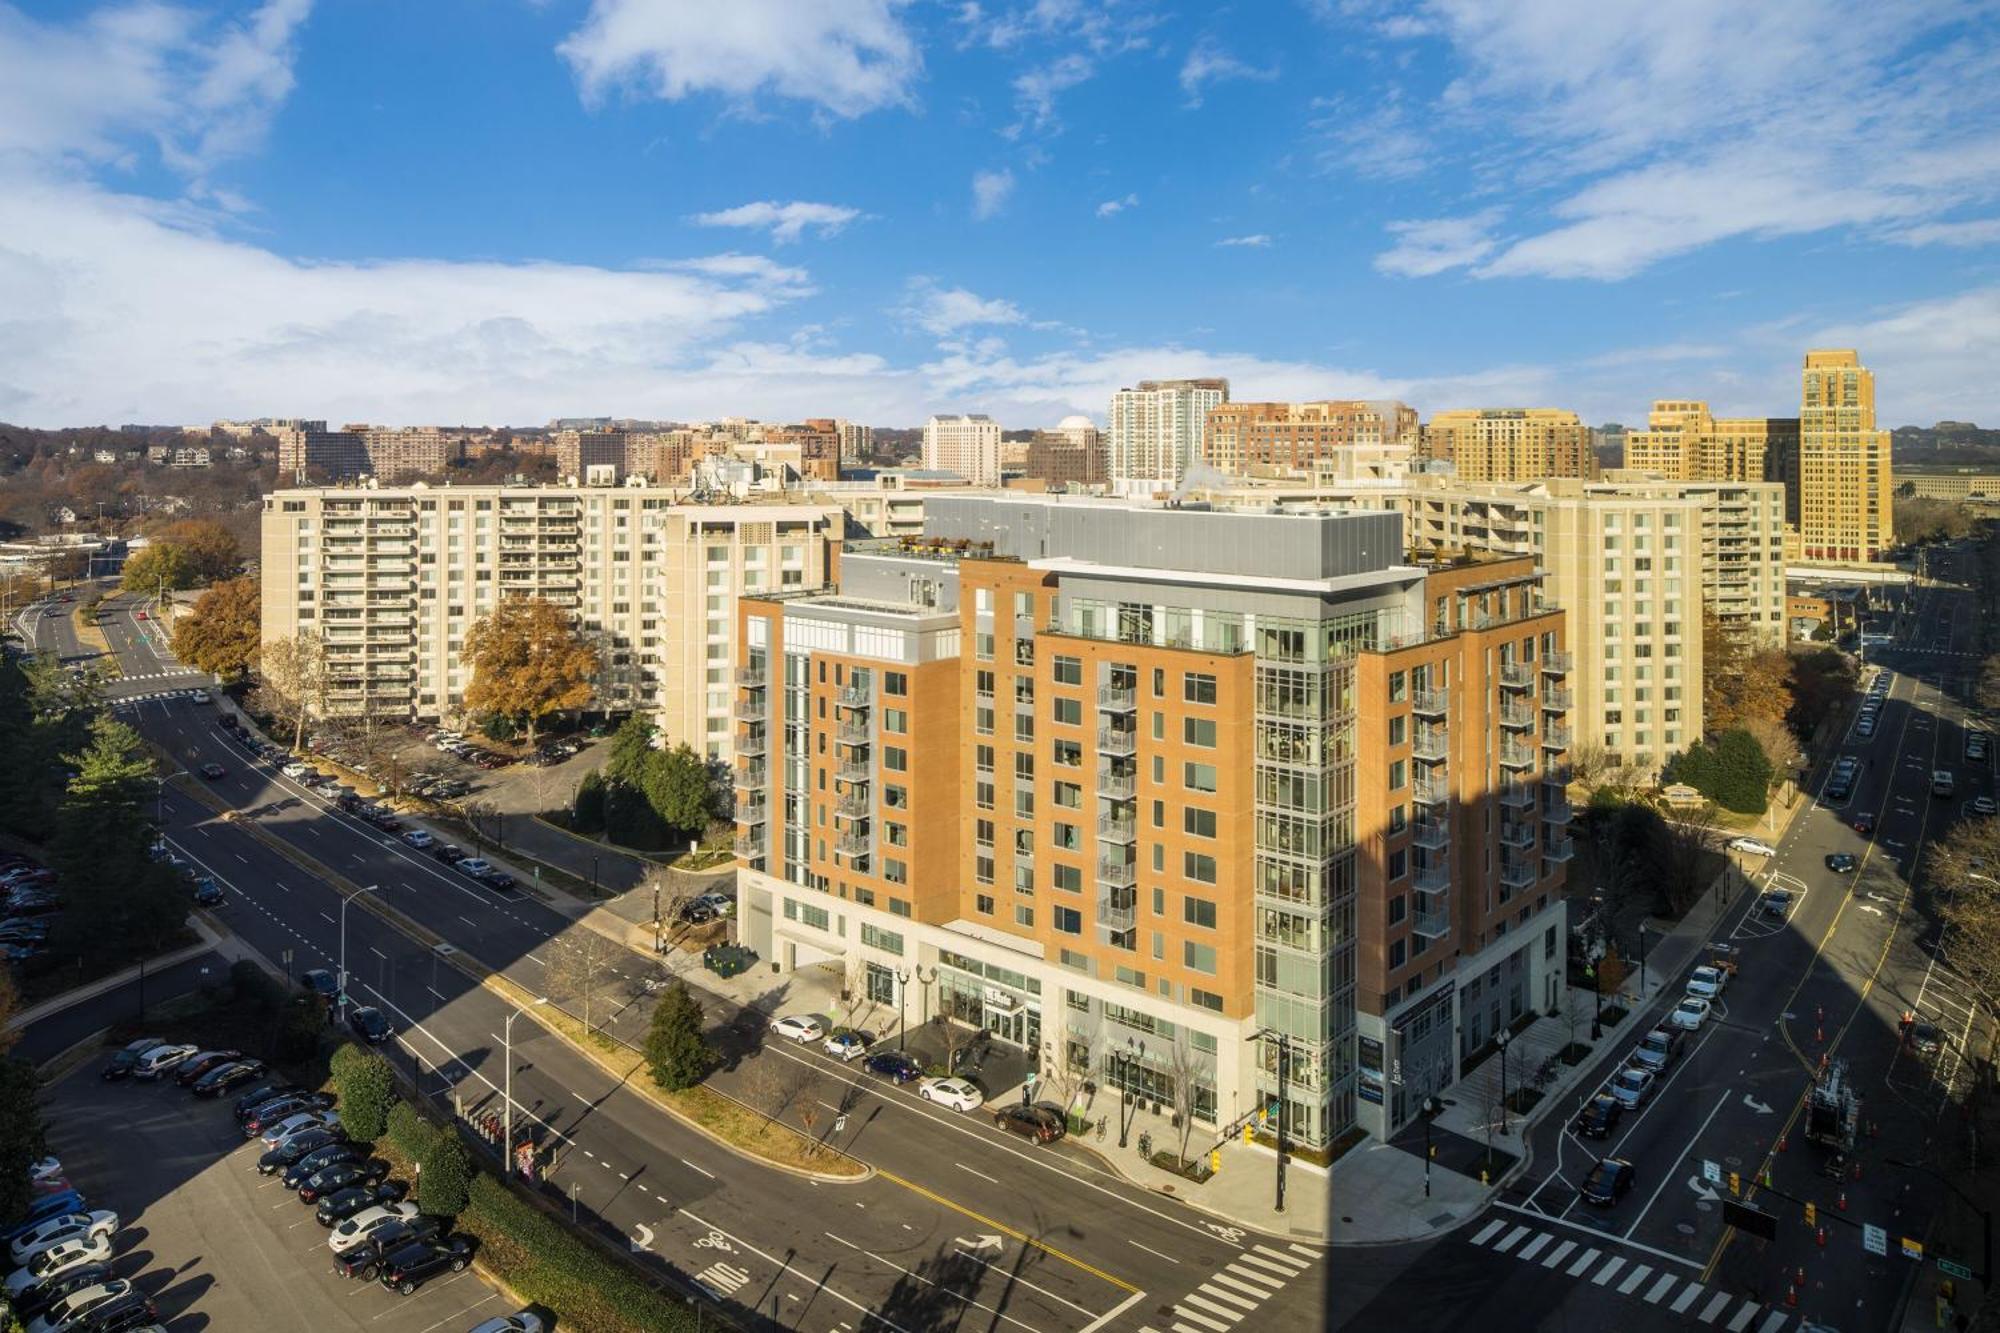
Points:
(48, 1037)
(1829, 981)
(958, 1225)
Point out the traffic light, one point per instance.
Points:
(1812, 1214)
(1735, 1184)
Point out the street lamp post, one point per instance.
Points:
(1642, 961)
(902, 1006)
(507, 1091)
(927, 982)
(1128, 1063)
(1431, 1108)
(345, 903)
(1501, 1041)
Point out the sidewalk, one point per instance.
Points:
(226, 945)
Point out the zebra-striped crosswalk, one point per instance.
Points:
(1630, 1275)
(1238, 1289)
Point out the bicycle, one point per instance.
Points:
(1100, 1129)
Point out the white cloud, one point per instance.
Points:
(1432, 245)
(1658, 130)
(1379, 142)
(1113, 207)
(1036, 91)
(1933, 359)
(1982, 231)
(990, 192)
(946, 310)
(1256, 241)
(1104, 27)
(786, 222)
(1208, 63)
(848, 58)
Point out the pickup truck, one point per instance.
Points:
(1708, 982)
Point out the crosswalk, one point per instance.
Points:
(1252, 1278)
(1630, 1276)
(125, 699)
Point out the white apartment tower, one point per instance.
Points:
(1156, 431)
(968, 445)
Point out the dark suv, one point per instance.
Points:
(1599, 1117)
(1043, 1124)
(406, 1269)
(365, 1260)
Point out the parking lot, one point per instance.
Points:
(216, 1245)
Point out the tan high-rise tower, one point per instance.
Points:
(1845, 480)
(1511, 443)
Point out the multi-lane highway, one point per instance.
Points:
(1827, 979)
(955, 1224)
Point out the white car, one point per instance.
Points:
(1982, 805)
(199, 696)
(160, 1059)
(1691, 1013)
(801, 1028)
(956, 1093)
(527, 1321)
(67, 1226)
(1752, 846)
(1707, 982)
(296, 770)
(366, 1223)
(475, 865)
(42, 1170)
(58, 1259)
(298, 1124)
(418, 839)
(67, 1313)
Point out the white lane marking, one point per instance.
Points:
(1534, 1247)
(1155, 1253)
(1633, 1279)
(1486, 1232)
(1660, 1288)
(970, 1172)
(1578, 1268)
(1687, 1297)
(1559, 1253)
(692, 1167)
(1610, 1270)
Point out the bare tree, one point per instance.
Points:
(580, 963)
(1965, 880)
(1688, 848)
(1187, 1070)
(292, 679)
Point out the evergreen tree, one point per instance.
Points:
(118, 897)
(367, 1088)
(680, 789)
(587, 814)
(444, 1175)
(22, 1134)
(677, 1055)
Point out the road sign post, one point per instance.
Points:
(1956, 1270)
(1874, 1239)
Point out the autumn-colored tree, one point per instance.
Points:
(528, 661)
(211, 548)
(1964, 870)
(292, 682)
(161, 567)
(221, 634)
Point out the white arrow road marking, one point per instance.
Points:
(1754, 1104)
(1701, 1191)
(1872, 911)
(642, 1237)
(984, 1242)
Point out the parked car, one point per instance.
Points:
(319, 1159)
(75, 1311)
(846, 1043)
(363, 1226)
(161, 1059)
(1659, 1048)
(497, 880)
(191, 1069)
(369, 1024)
(1632, 1086)
(1707, 982)
(126, 1058)
(342, 1175)
(1691, 1013)
(1752, 847)
(276, 1111)
(47, 1264)
(475, 866)
(66, 1202)
(1926, 1037)
(267, 1091)
(296, 770)
(418, 839)
(1774, 903)
(1982, 806)
(232, 1075)
(293, 1126)
(1600, 1116)
(406, 1269)
(521, 1321)
(281, 1157)
(364, 1260)
(1864, 823)
(321, 983)
(62, 1227)
(957, 1093)
(1043, 1124)
(1609, 1181)
(449, 853)
(341, 1204)
(801, 1028)
(894, 1066)
(207, 893)
(36, 1297)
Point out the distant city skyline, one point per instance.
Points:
(501, 213)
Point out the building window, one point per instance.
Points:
(1398, 774)
(1204, 999)
(1198, 777)
(1398, 863)
(1198, 957)
(1198, 912)
(1398, 729)
(1069, 712)
(1198, 822)
(1068, 670)
(894, 759)
(983, 904)
(1198, 867)
(1198, 688)
(1198, 731)
(895, 682)
(1069, 921)
(1024, 916)
(1399, 686)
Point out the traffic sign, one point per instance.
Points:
(1874, 1239)
(1955, 1270)
(1913, 1248)
(1744, 1217)
(1711, 1172)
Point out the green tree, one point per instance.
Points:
(680, 788)
(631, 746)
(587, 812)
(162, 566)
(444, 1175)
(222, 631)
(23, 1136)
(209, 548)
(677, 1054)
(367, 1088)
(1731, 770)
(118, 897)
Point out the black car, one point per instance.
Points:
(342, 1204)
(320, 982)
(365, 1259)
(214, 771)
(121, 1314)
(1864, 823)
(1608, 1182)
(232, 1075)
(267, 1091)
(319, 1159)
(262, 1114)
(190, 1070)
(33, 1300)
(1599, 1117)
(1926, 1037)
(894, 1065)
(449, 853)
(207, 893)
(497, 880)
(405, 1269)
(369, 1024)
(1840, 863)
(1043, 1124)
(277, 1159)
(343, 1175)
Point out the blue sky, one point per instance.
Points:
(502, 210)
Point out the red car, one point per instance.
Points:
(142, 615)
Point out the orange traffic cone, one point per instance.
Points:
(1791, 1298)
(1822, 1238)
(1781, 1143)
(1841, 1202)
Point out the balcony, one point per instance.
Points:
(1112, 829)
(1556, 699)
(1431, 791)
(1558, 777)
(1115, 785)
(1555, 736)
(750, 740)
(1556, 664)
(1513, 754)
(1517, 676)
(749, 848)
(852, 806)
(1117, 911)
(750, 811)
(855, 769)
(1560, 849)
(1117, 742)
(1430, 834)
(1117, 874)
(752, 776)
(854, 733)
(1432, 876)
(1516, 715)
(1517, 833)
(1518, 873)
(1517, 795)
(1558, 811)
(1024, 858)
(1429, 703)
(1433, 923)
(853, 696)
(1432, 744)
(854, 842)
(752, 708)
(751, 677)
(1117, 698)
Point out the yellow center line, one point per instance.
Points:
(1868, 985)
(1021, 1236)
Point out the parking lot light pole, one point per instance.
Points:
(902, 1006)
(1431, 1108)
(507, 1090)
(1500, 1039)
(345, 903)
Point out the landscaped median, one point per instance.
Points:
(740, 1128)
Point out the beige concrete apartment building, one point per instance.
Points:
(1846, 478)
(1155, 432)
(1510, 443)
(1338, 440)
(391, 578)
(1684, 441)
(965, 444)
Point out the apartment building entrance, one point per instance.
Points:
(1011, 1019)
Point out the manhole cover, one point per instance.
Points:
(1734, 1161)
(1687, 1228)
